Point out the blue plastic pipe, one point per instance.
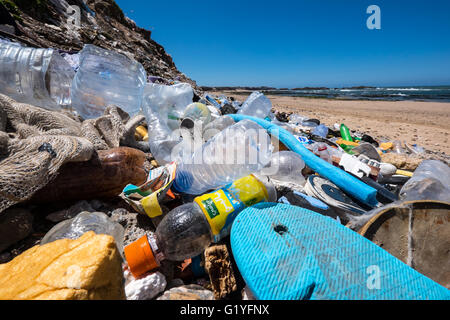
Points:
(342, 179)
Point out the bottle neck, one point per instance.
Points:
(157, 253)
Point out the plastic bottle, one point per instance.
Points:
(84, 222)
(430, 181)
(163, 107)
(286, 166)
(40, 77)
(321, 149)
(187, 230)
(104, 78)
(217, 126)
(256, 105)
(296, 119)
(236, 152)
(397, 147)
(195, 112)
(345, 133)
(321, 131)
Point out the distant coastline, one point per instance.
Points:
(418, 93)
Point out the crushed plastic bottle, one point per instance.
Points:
(217, 126)
(257, 105)
(84, 222)
(105, 78)
(430, 181)
(40, 77)
(239, 150)
(187, 230)
(286, 166)
(163, 107)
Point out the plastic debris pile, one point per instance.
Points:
(199, 196)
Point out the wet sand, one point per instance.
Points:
(426, 124)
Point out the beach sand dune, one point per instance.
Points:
(426, 124)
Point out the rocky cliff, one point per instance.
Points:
(69, 24)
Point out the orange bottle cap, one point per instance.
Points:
(140, 257)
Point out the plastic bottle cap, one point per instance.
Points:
(140, 257)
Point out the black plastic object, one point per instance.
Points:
(329, 193)
(228, 109)
(396, 180)
(282, 117)
(369, 139)
(47, 147)
(334, 133)
(383, 195)
(295, 199)
(314, 121)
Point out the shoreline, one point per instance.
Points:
(415, 122)
(268, 93)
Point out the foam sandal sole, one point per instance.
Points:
(285, 252)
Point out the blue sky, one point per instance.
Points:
(296, 43)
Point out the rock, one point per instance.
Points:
(218, 266)
(145, 288)
(189, 292)
(136, 225)
(402, 161)
(70, 212)
(82, 269)
(15, 224)
(175, 283)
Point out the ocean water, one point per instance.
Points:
(437, 93)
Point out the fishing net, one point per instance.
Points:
(35, 143)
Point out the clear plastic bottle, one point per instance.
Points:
(430, 181)
(239, 150)
(321, 149)
(84, 222)
(195, 112)
(296, 119)
(321, 131)
(40, 77)
(286, 166)
(217, 126)
(106, 77)
(257, 105)
(189, 229)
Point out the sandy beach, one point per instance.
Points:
(426, 124)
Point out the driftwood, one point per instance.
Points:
(102, 177)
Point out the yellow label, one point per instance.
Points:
(222, 206)
(151, 205)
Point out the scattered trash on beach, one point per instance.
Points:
(115, 184)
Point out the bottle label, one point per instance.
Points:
(222, 206)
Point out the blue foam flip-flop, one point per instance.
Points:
(286, 252)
